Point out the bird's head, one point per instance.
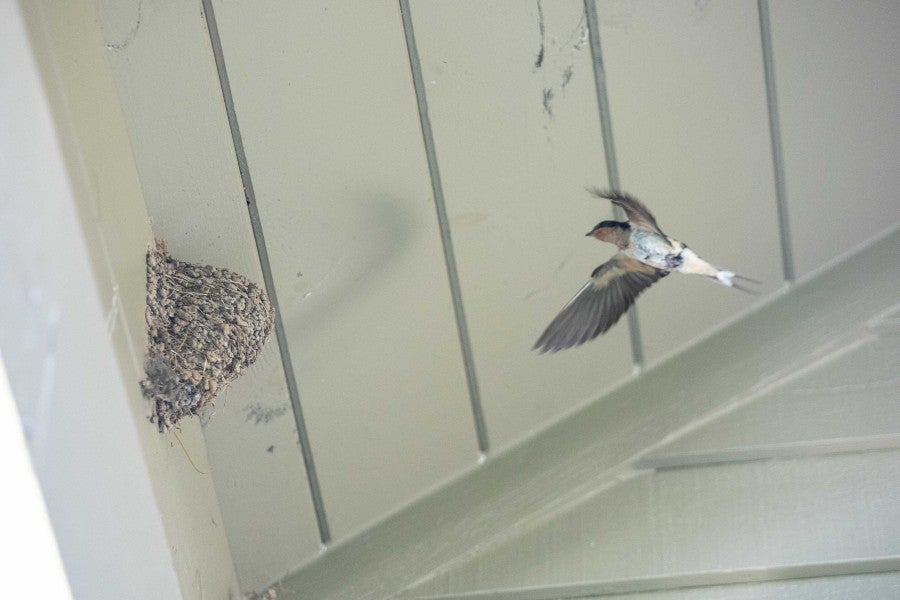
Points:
(614, 232)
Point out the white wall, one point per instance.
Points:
(54, 337)
(134, 512)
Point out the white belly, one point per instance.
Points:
(651, 249)
(695, 265)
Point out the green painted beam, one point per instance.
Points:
(688, 581)
(590, 448)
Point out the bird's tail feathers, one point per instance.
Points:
(727, 278)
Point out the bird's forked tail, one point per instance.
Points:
(695, 265)
(727, 278)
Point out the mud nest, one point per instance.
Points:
(205, 326)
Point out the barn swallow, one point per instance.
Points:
(645, 256)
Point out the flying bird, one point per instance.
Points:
(645, 256)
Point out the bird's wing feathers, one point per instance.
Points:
(634, 209)
(612, 289)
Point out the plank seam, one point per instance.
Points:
(784, 231)
(609, 151)
(444, 227)
(770, 452)
(256, 224)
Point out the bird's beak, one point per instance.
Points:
(589, 233)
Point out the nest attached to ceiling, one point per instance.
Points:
(205, 326)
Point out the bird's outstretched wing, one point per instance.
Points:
(613, 287)
(634, 209)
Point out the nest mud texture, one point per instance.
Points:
(205, 326)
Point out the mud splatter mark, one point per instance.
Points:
(468, 219)
(540, 55)
(534, 293)
(263, 414)
(567, 75)
(540, 58)
(700, 7)
(564, 261)
(548, 100)
(132, 33)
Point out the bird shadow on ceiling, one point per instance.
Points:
(383, 229)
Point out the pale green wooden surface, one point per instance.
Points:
(881, 586)
(324, 99)
(847, 403)
(772, 584)
(831, 505)
(592, 449)
(514, 173)
(838, 85)
(688, 106)
(707, 518)
(327, 109)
